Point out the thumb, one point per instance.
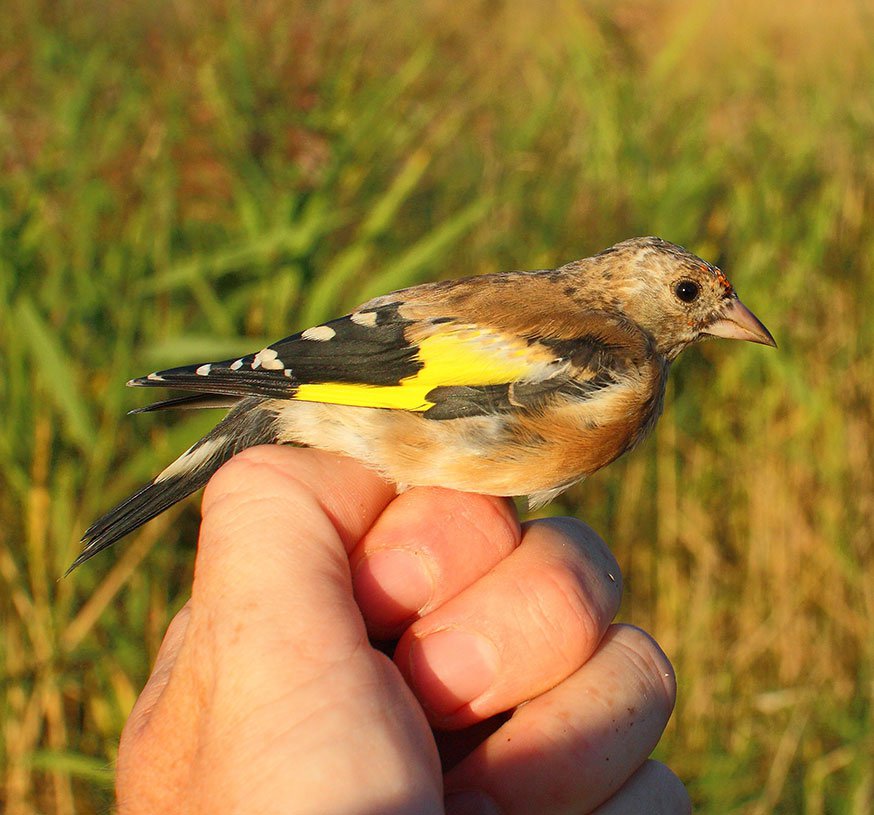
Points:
(250, 514)
(274, 641)
(161, 672)
(272, 566)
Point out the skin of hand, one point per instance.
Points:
(509, 690)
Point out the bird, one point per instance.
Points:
(509, 384)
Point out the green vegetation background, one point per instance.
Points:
(187, 180)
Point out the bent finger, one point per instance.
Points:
(518, 631)
(571, 749)
(653, 790)
(427, 546)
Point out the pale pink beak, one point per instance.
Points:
(739, 323)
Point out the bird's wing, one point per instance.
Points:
(391, 355)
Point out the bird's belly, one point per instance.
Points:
(496, 455)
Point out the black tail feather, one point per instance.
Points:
(248, 424)
(197, 400)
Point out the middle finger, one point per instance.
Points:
(519, 630)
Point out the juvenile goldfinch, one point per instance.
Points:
(519, 383)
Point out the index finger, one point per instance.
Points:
(427, 546)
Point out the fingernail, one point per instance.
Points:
(452, 668)
(397, 584)
(470, 803)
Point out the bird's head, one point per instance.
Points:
(675, 295)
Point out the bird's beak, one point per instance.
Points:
(737, 322)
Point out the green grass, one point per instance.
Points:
(184, 181)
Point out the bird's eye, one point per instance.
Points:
(687, 290)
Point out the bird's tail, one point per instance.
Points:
(250, 422)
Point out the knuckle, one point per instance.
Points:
(585, 548)
(238, 474)
(647, 663)
(557, 616)
(568, 604)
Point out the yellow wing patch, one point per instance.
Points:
(465, 356)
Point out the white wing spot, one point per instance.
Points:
(236, 365)
(319, 333)
(204, 370)
(288, 373)
(268, 359)
(365, 318)
(155, 377)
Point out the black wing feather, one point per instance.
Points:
(370, 350)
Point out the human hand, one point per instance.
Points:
(509, 690)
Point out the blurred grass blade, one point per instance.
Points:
(184, 349)
(73, 764)
(55, 371)
(325, 297)
(295, 240)
(426, 252)
(383, 213)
